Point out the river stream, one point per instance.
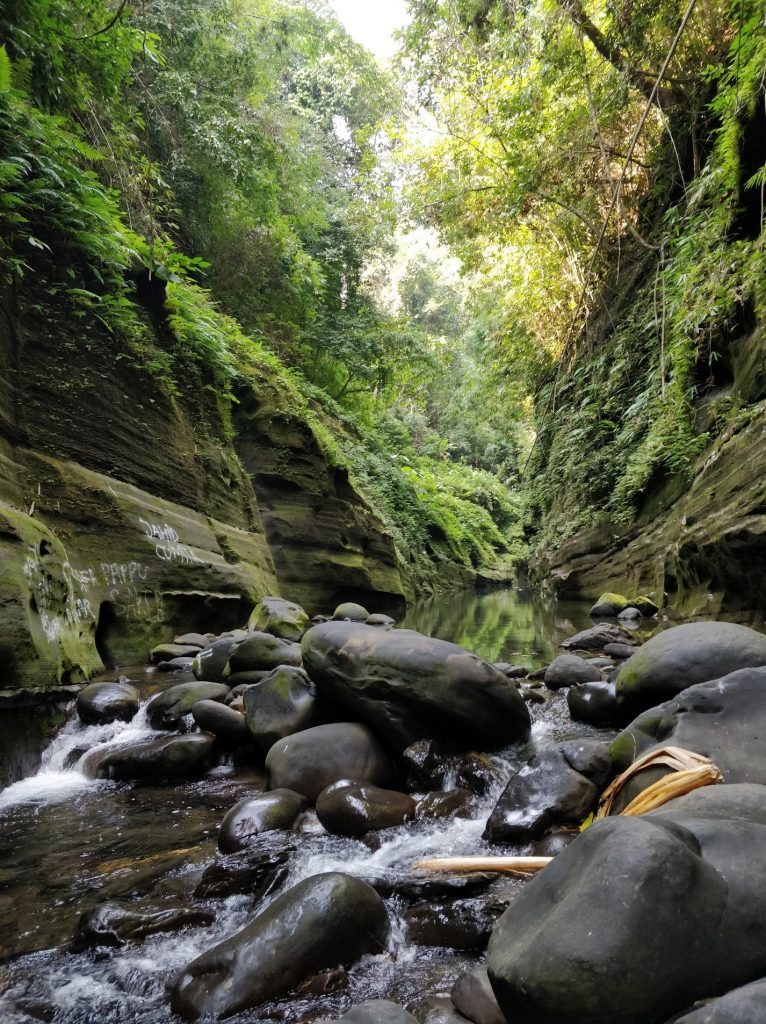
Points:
(69, 844)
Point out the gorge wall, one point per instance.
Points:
(129, 509)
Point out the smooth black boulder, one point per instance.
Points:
(634, 921)
(113, 925)
(746, 1005)
(166, 708)
(354, 808)
(211, 661)
(452, 924)
(724, 719)
(312, 760)
(262, 651)
(279, 617)
(99, 703)
(164, 759)
(408, 686)
(324, 921)
(597, 637)
(284, 702)
(265, 812)
(227, 725)
(569, 670)
(473, 996)
(259, 870)
(597, 704)
(546, 793)
(685, 655)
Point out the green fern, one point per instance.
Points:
(6, 71)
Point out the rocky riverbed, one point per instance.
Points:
(231, 831)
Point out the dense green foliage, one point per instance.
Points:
(208, 180)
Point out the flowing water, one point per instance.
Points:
(69, 844)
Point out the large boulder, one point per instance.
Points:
(265, 812)
(312, 760)
(99, 703)
(597, 637)
(262, 651)
(211, 662)
(746, 1005)
(609, 605)
(724, 719)
(408, 686)
(324, 921)
(349, 611)
(473, 996)
(356, 808)
(166, 708)
(228, 725)
(161, 759)
(279, 617)
(550, 791)
(284, 702)
(688, 654)
(634, 921)
(570, 670)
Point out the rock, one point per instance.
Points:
(408, 686)
(98, 703)
(164, 759)
(283, 703)
(350, 612)
(112, 925)
(629, 615)
(418, 887)
(240, 681)
(724, 719)
(620, 651)
(377, 1011)
(548, 792)
(512, 671)
(553, 843)
(645, 605)
(198, 640)
(479, 773)
(439, 1011)
(609, 605)
(537, 675)
(597, 637)
(569, 670)
(450, 803)
(176, 665)
(532, 695)
(452, 924)
(324, 984)
(166, 708)
(266, 812)
(746, 1005)
(590, 758)
(381, 621)
(743, 800)
(424, 765)
(226, 724)
(280, 618)
(210, 663)
(688, 654)
(312, 760)
(355, 808)
(259, 870)
(262, 651)
(597, 704)
(473, 997)
(164, 652)
(325, 921)
(567, 948)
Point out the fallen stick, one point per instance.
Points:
(513, 865)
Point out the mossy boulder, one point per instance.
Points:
(279, 617)
(283, 703)
(609, 605)
(260, 651)
(685, 655)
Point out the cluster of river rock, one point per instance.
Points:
(634, 920)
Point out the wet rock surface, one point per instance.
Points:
(166, 709)
(267, 812)
(408, 686)
(324, 921)
(283, 702)
(355, 808)
(164, 759)
(107, 702)
(112, 925)
(314, 759)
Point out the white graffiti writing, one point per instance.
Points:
(116, 573)
(168, 547)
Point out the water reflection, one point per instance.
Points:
(513, 625)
